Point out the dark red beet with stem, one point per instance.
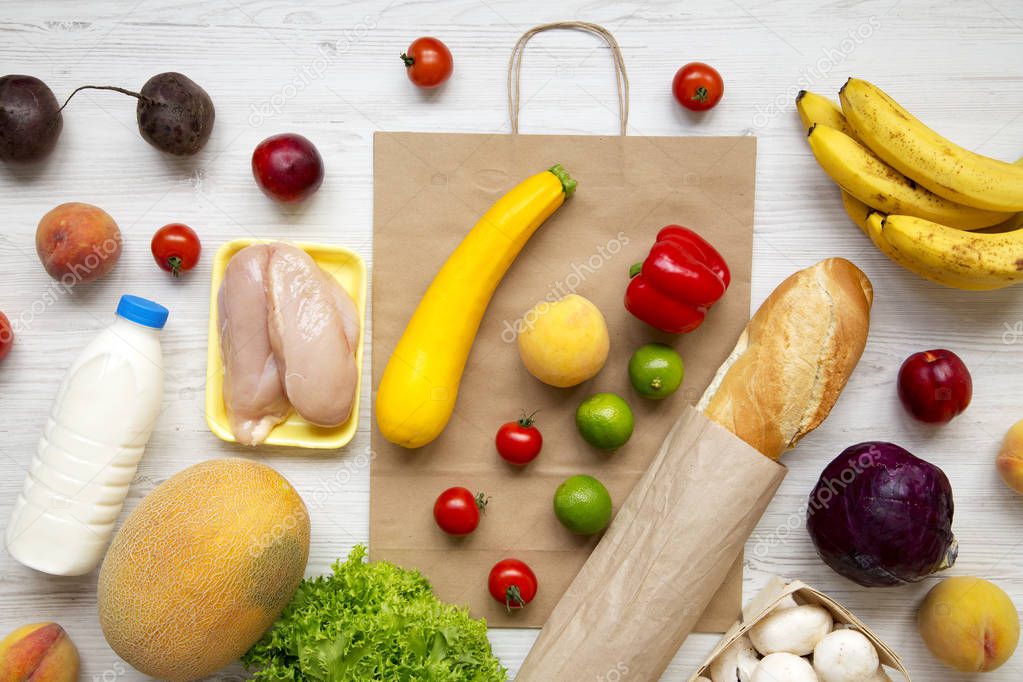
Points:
(174, 114)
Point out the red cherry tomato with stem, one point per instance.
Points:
(176, 248)
(457, 511)
(512, 583)
(698, 86)
(6, 336)
(428, 62)
(519, 442)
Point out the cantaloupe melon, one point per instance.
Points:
(202, 567)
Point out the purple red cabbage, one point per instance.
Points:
(881, 516)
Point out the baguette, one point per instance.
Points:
(794, 357)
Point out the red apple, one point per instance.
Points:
(78, 242)
(935, 386)
(287, 167)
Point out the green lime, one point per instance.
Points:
(656, 370)
(604, 421)
(583, 505)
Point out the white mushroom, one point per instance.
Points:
(794, 630)
(847, 656)
(736, 663)
(701, 678)
(784, 667)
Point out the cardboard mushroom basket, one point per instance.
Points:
(669, 548)
(735, 656)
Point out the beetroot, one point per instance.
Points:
(174, 114)
(30, 119)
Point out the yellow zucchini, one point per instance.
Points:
(418, 390)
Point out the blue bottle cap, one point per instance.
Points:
(143, 311)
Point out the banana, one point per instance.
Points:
(870, 221)
(874, 225)
(814, 108)
(988, 260)
(938, 164)
(859, 172)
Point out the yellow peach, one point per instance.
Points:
(565, 342)
(42, 652)
(969, 624)
(1010, 458)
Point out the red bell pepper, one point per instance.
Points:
(678, 282)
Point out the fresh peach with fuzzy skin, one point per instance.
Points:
(78, 243)
(1010, 458)
(42, 652)
(969, 624)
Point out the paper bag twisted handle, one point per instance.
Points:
(515, 68)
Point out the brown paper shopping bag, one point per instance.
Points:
(429, 190)
(660, 563)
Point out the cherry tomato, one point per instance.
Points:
(457, 510)
(512, 583)
(428, 62)
(6, 336)
(519, 442)
(176, 248)
(697, 86)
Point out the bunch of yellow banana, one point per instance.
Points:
(916, 194)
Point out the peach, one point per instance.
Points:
(42, 652)
(1010, 458)
(969, 624)
(77, 243)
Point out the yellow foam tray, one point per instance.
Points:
(350, 272)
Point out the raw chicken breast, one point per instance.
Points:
(253, 389)
(313, 332)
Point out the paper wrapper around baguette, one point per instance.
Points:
(671, 544)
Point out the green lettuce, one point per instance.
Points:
(373, 621)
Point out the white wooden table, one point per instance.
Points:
(330, 70)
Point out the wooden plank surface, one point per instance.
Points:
(330, 71)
